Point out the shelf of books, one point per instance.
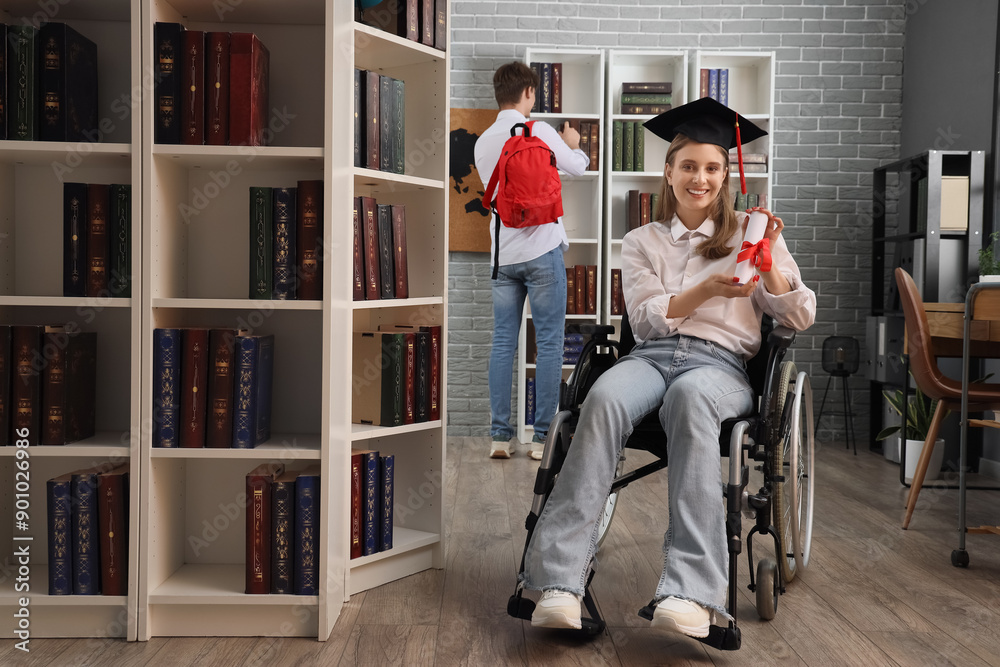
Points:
(641, 84)
(69, 325)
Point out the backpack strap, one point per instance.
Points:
(496, 245)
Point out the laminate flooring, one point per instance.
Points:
(873, 594)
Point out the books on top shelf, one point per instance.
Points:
(549, 96)
(581, 289)
(211, 388)
(380, 258)
(379, 122)
(51, 403)
(424, 21)
(714, 83)
(211, 87)
(286, 237)
(372, 493)
(87, 529)
(282, 530)
(397, 377)
(753, 163)
(49, 92)
(97, 240)
(646, 97)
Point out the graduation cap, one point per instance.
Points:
(709, 122)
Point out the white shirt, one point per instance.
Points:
(659, 260)
(526, 243)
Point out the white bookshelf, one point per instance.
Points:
(32, 174)
(582, 196)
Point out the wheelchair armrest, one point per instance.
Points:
(589, 329)
(781, 337)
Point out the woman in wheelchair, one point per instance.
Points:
(694, 329)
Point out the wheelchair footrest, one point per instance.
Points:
(519, 606)
(719, 637)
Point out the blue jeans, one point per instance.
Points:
(543, 281)
(695, 385)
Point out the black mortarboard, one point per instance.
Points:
(705, 121)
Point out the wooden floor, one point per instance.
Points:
(873, 594)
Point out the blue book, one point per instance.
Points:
(724, 86)
(575, 339)
(370, 528)
(166, 387)
(307, 518)
(85, 534)
(387, 467)
(284, 243)
(713, 84)
(252, 394)
(529, 401)
(60, 508)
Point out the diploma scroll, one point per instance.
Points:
(753, 252)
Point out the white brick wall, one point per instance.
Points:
(838, 116)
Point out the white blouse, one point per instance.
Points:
(659, 260)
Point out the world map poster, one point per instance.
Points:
(468, 220)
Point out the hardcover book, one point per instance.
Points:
(249, 73)
(545, 96)
(369, 224)
(355, 528)
(644, 109)
(309, 240)
(358, 266)
(194, 385)
(222, 381)
(628, 146)
(441, 24)
(724, 86)
(284, 222)
(68, 82)
(537, 106)
(616, 292)
(120, 240)
(570, 290)
(409, 377)
(168, 45)
(386, 280)
(166, 387)
(633, 205)
(75, 239)
(85, 536)
(371, 109)
(112, 521)
(617, 137)
(69, 385)
(703, 82)
(426, 22)
(581, 288)
(26, 343)
(307, 523)
(393, 16)
(385, 147)
(397, 126)
(400, 271)
(713, 83)
(387, 471)
(217, 88)
(370, 517)
(644, 208)
(646, 98)
(359, 122)
(258, 527)
(591, 289)
(59, 514)
(422, 398)
(252, 394)
(370, 365)
(193, 88)
(639, 157)
(659, 87)
(529, 401)
(283, 532)
(98, 243)
(261, 251)
(556, 87)
(23, 77)
(434, 384)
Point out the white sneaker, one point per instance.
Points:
(683, 616)
(503, 449)
(537, 447)
(557, 609)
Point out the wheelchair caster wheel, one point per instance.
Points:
(960, 558)
(767, 588)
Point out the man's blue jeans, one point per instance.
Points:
(543, 281)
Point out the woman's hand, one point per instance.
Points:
(774, 281)
(774, 225)
(720, 284)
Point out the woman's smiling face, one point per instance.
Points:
(696, 177)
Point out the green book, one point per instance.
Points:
(22, 67)
(616, 147)
(393, 378)
(628, 146)
(654, 204)
(640, 147)
(741, 202)
(646, 98)
(261, 254)
(120, 270)
(398, 124)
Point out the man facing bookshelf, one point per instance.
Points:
(529, 264)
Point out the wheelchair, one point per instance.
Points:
(778, 439)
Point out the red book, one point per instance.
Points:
(68, 385)
(194, 386)
(591, 289)
(645, 208)
(193, 88)
(355, 503)
(359, 253)
(556, 87)
(221, 381)
(703, 83)
(98, 244)
(434, 393)
(570, 290)
(372, 136)
(426, 21)
(369, 223)
(217, 89)
(595, 147)
(616, 292)
(399, 251)
(258, 532)
(410, 378)
(249, 70)
(53, 388)
(26, 398)
(309, 240)
(581, 289)
(112, 492)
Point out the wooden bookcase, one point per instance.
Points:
(583, 96)
(32, 174)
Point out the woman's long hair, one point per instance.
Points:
(721, 212)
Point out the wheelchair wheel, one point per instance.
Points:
(604, 523)
(768, 588)
(793, 465)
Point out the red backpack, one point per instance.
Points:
(524, 189)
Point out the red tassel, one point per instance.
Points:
(739, 157)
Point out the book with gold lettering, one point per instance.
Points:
(98, 243)
(193, 88)
(26, 346)
(258, 527)
(221, 382)
(284, 223)
(282, 532)
(434, 378)
(59, 515)
(85, 535)
(369, 226)
(168, 46)
(261, 239)
(307, 523)
(217, 88)
(74, 239)
(195, 355)
(68, 85)
(309, 240)
(387, 472)
(166, 387)
(252, 393)
(112, 522)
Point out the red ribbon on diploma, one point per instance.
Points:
(758, 253)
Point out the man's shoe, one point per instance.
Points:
(683, 616)
(537, 447)
(557, 609)
(502, 447)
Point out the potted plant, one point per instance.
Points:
(919, 413)
(989, 263)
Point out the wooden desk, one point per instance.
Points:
(947, 325)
